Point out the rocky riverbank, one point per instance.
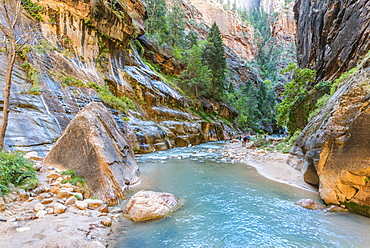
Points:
(54, 214)
(272, 165)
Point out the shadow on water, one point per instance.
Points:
(231, 205)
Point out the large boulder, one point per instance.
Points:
(93, 146)
(149, 205)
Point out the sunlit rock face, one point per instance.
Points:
(285, 27)
(332, 35)
(236, 35)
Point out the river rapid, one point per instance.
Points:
(231, 205)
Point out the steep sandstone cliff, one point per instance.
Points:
(332, 150)
(285, 27)
(236, 35)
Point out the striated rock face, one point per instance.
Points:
(332, 35)
(333, 149)
(236, 35)
(149, 205)
(285, 27)
(93, 146)
(84, 46)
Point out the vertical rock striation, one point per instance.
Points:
(332, 35)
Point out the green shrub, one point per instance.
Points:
(135, 149)
(69, 172)
(34, 9)
(35, 90)
(17, 170)
(74, 178)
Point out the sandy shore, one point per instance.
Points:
(271, 165)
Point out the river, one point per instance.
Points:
(231, 205)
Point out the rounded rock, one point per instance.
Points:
(59, 208)
(39, 207)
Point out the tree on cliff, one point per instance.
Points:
(214, 58)
(176, 23)
(11, 45)
(156, 24)
(197, 77)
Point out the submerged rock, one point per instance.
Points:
(311, 204)
(149, 205)
(93, 146)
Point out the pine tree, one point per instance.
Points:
(197, 77)
(157, 21)
(214, 58)
(176, 23)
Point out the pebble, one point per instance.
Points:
(116, 211)
(59, 179)
(81, 205)
(53, 175)
(39, 207)
(59, 208)
(38, 191)
(54, 190)
(3, 220)
(107, 222)
(94, 203)
(103, 208)
(64, 194)
(46, 201)
(49, 210)
(41, 213)
(71, 200)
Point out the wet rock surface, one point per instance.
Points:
(149, 205)
(73, 57)
(311, 204)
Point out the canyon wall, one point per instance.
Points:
(235, 34)
(332, 35)
(332, 150)
(86, 51)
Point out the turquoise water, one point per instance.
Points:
(231, 205)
